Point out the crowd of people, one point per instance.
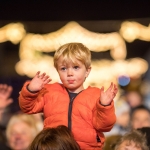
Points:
(65, 116)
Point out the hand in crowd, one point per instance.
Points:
(5, 93)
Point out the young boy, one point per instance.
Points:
(86, 112)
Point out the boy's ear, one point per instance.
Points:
(88, 71)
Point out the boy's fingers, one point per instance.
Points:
(110, 88)
(47, 81)
(37, 74)
(46, 77)
(115, 88)
(42, 76)
(102, 89)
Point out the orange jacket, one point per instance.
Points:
(88, 117)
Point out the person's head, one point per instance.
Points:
(59, 138)
(134, 98)
(140, 117)
(73, 63)
(21, 130)
(133, 140)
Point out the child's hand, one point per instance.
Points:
(108, 95)
(38, 82)
(5, 92)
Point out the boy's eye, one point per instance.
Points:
(63, 68)
(76, 67)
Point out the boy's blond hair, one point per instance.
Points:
(72, 52)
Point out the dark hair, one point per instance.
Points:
(141, 107)
(146, 132)
(59, 138)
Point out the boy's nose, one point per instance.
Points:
(69, 72)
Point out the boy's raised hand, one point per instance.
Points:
(108, 95)
(38, 82)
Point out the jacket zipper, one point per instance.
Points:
(69, 113)
(70, 110)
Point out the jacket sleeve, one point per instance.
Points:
(104, 117)
(31, 102)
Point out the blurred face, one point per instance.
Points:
(134, 99)
(72, 75)
(140, 118)
(20, 136)
(126, 146)
(123, 119)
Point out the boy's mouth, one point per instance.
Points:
(71, 81)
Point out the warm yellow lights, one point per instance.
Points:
(105, 71)
(13, 32)
(30, 67)
(133, 30)
(33, 49)
(73, 32)
(102, 73)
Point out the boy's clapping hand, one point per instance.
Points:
(108, 96)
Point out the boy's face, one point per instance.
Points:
(71, 75)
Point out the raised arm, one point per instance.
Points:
(104, 113)
(108, 95)
(38, 82)
(31, 95)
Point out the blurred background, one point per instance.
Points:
(118, 36)
(117, 33)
